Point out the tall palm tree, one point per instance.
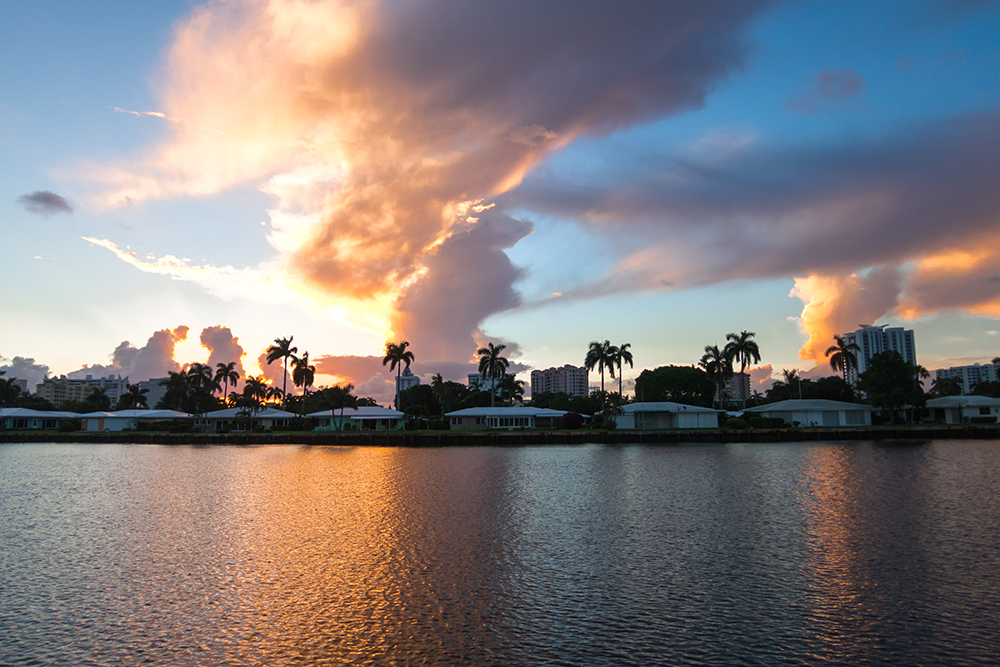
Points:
(492, 365)
(719, 367)
(511, 388)
(843, 356)
(622, 355)
(303, 373)
(226, 373)
(744, 349)
(255, 390)
(602, 357)
(791, 375)
(282, 349)
(440, 390)
(396, 356)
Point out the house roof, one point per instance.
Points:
(266, 413)
(29, 414)
(506, 412)
(361, 413)
(963, 401)
(663, 406)
(808, 405)
(137, 414)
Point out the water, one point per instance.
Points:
(783, 554)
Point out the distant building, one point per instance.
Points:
(568, 379)
(970, 376)
(406, 380)
(61, 390)
(156, 389)
(737, 388)
(872, 340)
(478, 382)
(364, 418)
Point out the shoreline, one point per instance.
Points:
(513, 438)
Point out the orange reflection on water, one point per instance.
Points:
(836, 542)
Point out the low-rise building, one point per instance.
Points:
(35, 420)
(363, 418)
(240, 419)
(122, 420)
(665, 416)
(964, 409)
(816, 412)
(478, 419)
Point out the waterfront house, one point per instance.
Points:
(478, 419)
(25, 419)
(665, 415)
(964, 409)
(121, 420)
(240, 419)
(816, 412)
(363, 418)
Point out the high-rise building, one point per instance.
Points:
(61, 390)
(970, 376)
(872, 340)
(569, 379)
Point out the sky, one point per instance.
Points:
(185, 182)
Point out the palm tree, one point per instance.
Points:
(511, 388)
(177, 391)
(493, 366)
(843, 355)
(341, 397)
(282, 349)
(743, 348)
(622, 355)
(255, 391)
(792, 375)
(303, 373)
(226, 373)
(440, 390)
(9, 391)
(134, 397)
(396, 356)
(719, 367)
(275, 393)
(602, 357)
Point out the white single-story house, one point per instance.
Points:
(240, 419)
(363, 418)
(962, 409)
(665, 415)
(477, 419)
(816, 412)
(23, 418)
(126, 419)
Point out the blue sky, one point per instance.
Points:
(833, 143)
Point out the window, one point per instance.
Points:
(984, 411)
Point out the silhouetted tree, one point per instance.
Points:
(396, 356)
(282, 349)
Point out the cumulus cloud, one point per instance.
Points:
(827, 90)
(45, 203)
(223, 348)
(25, 368)
(384, 129)
(153, 360)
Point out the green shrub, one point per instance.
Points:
(69, 425)
(440, 425)
(767, 422)
(984, 420)
(736, 422)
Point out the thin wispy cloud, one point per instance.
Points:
(829, 90)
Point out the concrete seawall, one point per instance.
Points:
(514, 438)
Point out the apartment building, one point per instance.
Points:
(61, 390)
(568, 379)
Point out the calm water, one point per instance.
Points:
(629, 555)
